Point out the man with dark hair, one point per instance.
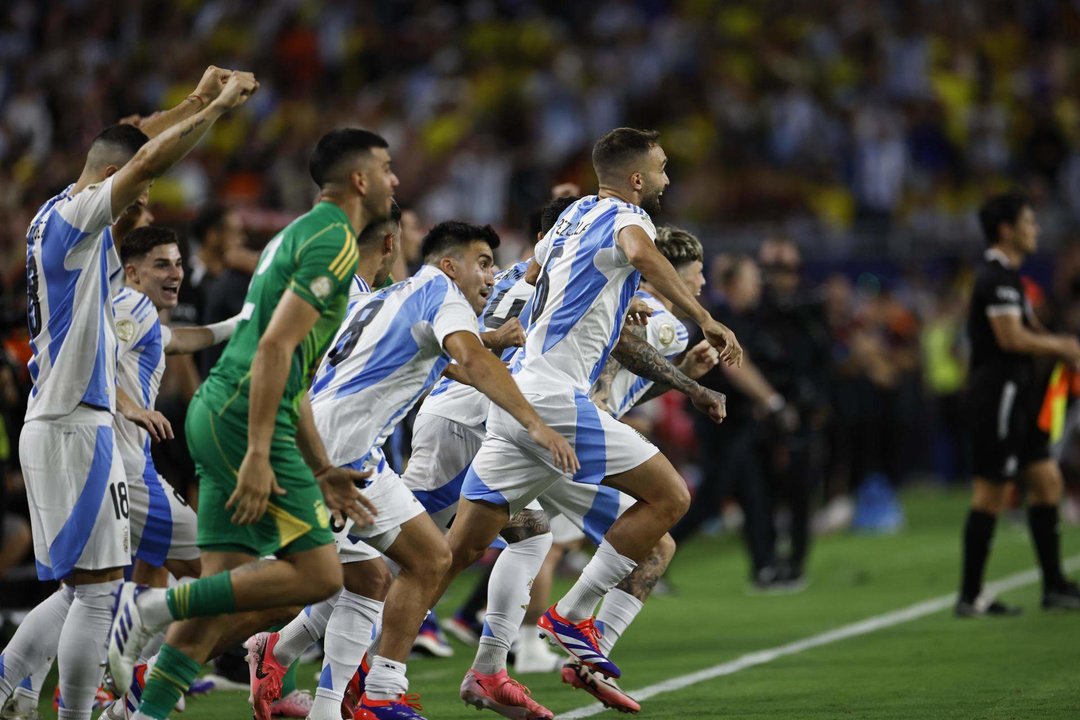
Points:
(67, 448)
(255, 446)
(591, 262)
(1003, 401)
(392, 347)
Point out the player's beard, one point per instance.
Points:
(651, 202)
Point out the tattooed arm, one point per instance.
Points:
(641, 358)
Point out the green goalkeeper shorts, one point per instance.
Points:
(294, 522)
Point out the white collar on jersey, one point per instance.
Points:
(994, 254)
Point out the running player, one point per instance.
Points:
(68, 449)
(591, 262)
(251, 434)
(392, 349)
(1003, 397)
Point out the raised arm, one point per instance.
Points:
(643, 255)
(156, 157)
(488, 375)
(208, 89)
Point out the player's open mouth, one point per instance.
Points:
(170, 290)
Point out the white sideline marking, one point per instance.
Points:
(863, 627)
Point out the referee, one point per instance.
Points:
(1003, 401)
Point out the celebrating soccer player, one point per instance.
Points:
(74, 474)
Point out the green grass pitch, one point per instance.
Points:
(932, 667)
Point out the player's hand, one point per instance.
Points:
(254, 484)
(510, 334)
(341, 489)
(151, 421)
(561, 450)
(699, 360)
(710, 402)
(723, 339)
(1070, 350)
(638, 313)
(212, 83)
(239, 87)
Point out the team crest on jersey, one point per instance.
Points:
(667, 334)
(321, 287)
(125, 330)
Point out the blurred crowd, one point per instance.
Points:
(801, 135)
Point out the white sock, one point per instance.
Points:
(606, 570)
(387, 680)
(508, 597)
(154, 608)
(35, 642)
(81, 655)
(618, 611)
(28, 693)
(348, 636)
(303, 630)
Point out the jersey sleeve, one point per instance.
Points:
(454, 315)
(88, 211)
(628, 216)
(1001, 294)
(667, 335)
(542, 248)
(325, 265)
(135, 319)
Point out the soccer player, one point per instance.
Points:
(1003, 397)
(162, 523)
(392, 348)
(254, 442)
(68, 448)
(591, 262)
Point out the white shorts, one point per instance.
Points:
(163, 525)
(442, 452)
(77, 494)
(580, 510)
(512, 469)
(396, 506)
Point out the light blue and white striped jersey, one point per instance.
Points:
(72, 273)
(140, 365)
(581, 296)
(388, 352)
(509, 298)
(358, 289)
(665, 333)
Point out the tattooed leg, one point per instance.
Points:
(643, 579)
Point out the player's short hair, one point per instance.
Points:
(551, 212)
(115, 144)
(614, 150)
(1002, 208)
(377, 230)
(140, 241)
(337, 147)
(452, 236)
(678, 246)
(210, 217)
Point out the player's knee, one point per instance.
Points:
(440, 561)
(677, 502)
(322, 583)
(1047, 491)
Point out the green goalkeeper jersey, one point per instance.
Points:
(315, 256)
